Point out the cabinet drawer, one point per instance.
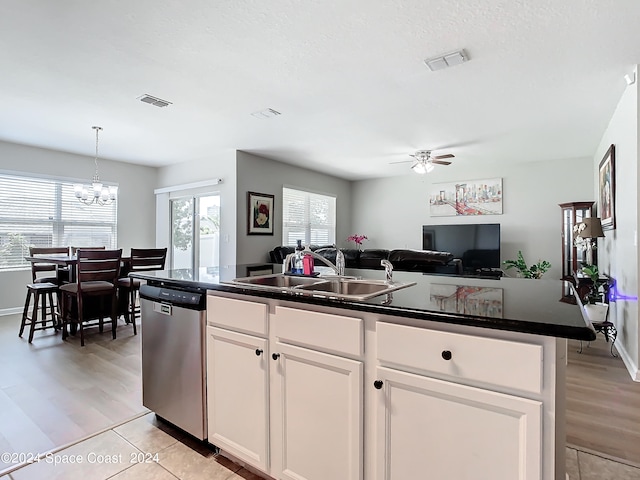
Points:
(320, 330)
(502, 363)
(237, 315)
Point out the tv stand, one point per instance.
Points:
(489, 272)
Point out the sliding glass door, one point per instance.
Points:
(195, 233)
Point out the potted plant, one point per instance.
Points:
(594, 301)
(534, 271)
(592, 272)
(357, 239)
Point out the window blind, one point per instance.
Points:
(44, 212)
(306, 216)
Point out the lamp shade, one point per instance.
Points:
(593, 228)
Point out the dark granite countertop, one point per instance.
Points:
(513, 304)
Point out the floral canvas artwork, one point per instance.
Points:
(474, 197)
(260, 214)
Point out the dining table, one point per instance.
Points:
(69, 263)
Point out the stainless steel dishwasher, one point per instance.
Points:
(173, 356)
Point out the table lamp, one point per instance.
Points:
(592, 230)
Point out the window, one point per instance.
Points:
(44, 212)
(309, 217)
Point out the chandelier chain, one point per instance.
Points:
(96, 177)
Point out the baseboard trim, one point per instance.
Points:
(10, 311)
(632, 368)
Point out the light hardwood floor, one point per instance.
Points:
(54, 392)
(603, 403)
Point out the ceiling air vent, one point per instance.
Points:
(158, 102)
(268, 113)
(447, 60)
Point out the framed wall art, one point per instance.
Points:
(260, 215)
(607, 189)
(473, 197)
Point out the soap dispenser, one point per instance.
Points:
(297, 267)
(307, 261)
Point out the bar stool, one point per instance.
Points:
(141, 260)
(38, 290)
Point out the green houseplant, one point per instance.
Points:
(594, 294)
(534, 271)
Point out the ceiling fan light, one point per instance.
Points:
(429, 167)
(420, 168)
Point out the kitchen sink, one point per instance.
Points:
(277, 280)
(347, 288)
(354, 289)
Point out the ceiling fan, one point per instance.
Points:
(424, 161)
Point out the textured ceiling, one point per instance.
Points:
(542, 82)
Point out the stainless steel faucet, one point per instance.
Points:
(388, 270)
(339, 261)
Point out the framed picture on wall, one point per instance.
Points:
(469, 197)
(607, 189)
(260, 214)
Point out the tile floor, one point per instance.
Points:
(141, 449)
(591, 466)
(147, 449)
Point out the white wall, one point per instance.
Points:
(136, 215)
(259, 174)
(391, 211)
(618, 251)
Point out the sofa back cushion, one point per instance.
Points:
(278, 254)
(351, 256)
(370, 258)
(418, 260)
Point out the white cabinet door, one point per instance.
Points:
(428, 428)
(317, 415)
(238, 395)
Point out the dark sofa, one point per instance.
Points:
(426, 261)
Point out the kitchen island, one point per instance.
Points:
(453, 377)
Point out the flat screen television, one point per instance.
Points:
(477, 245)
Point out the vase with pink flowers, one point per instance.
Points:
(357, 239)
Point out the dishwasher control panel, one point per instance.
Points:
(170, 296)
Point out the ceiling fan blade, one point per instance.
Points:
(448, 155)
(440, 162)
(402, 161)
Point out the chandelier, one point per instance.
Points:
(96, 192)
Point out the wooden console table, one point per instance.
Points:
(583, 285)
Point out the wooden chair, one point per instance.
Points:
(142, 259)
(75, 249)
(96, 278)
(40, 292)
(37, 267)
(58, 277)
